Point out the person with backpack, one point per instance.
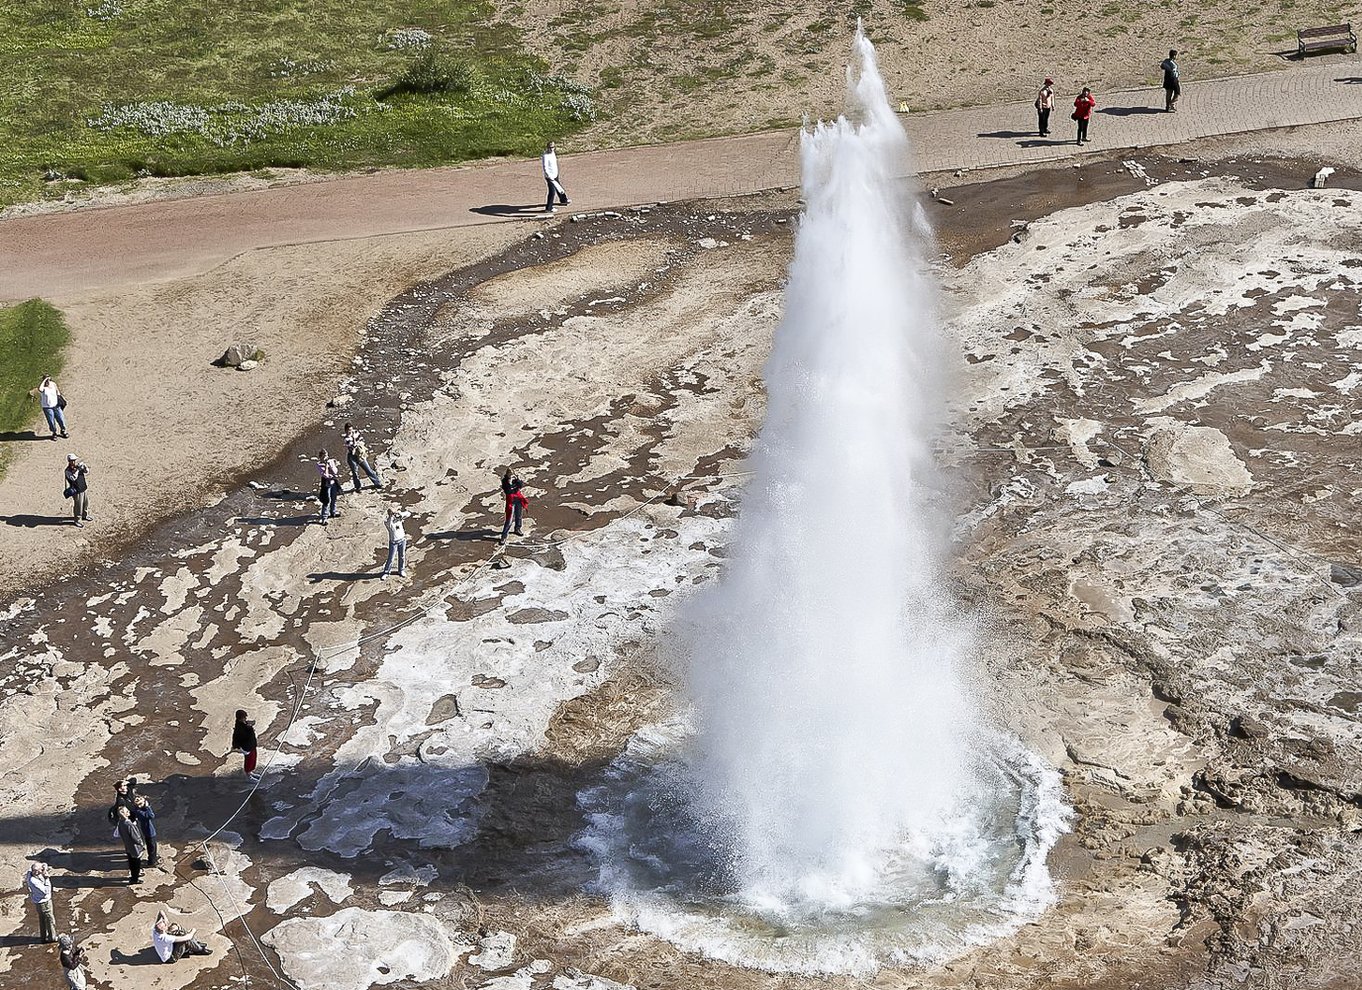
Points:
(53, 403)
(516, 503)
(1172, 81)
(244, 742)
(1045, 103)
(357, 457)
(329, 486)
(1083, 107)
(77, 489)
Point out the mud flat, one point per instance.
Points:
(1155, 451)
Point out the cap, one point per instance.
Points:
(72, 457)
(1049, 81)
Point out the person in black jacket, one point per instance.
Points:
(244, 741)
(77, 489)
(134, 843)
(125, 795)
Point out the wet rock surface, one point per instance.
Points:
(1156, 464)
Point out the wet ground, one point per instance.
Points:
(1155, 459)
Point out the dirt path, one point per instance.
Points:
(71, 254)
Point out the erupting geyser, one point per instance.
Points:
(831, 801)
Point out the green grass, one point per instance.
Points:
(32, 337)
(255, 84)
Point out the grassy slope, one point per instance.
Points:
(32, 337)
(64, 66)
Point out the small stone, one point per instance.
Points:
(247, 365)
(340, 401)
(708, 243)
(237, 354)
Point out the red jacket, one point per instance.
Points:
(516, 498)
(1083, 106)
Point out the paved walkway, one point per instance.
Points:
(61, 255)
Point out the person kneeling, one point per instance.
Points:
(171, 941)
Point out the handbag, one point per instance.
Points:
(67, 492)
(61, 402)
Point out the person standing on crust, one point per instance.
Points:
(550, 162)
(39, 885)
(72, 962)
(145, 817)
(134, 843)
(1083, 107)
(516, 503)
(357, 457)
(125, 795)
(53, 402)
(244, 742)
(77, 489)
(1172, 82)
(328, 485)
(397, 542)
(1045, 103)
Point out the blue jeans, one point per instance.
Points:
(356, 462)
(327, 496)
(398, 550)
(54, 419)
(512, 512)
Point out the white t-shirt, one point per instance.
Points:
(550, 165)
(396, 534)
(47, 395)
(163, 943)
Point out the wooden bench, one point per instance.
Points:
(1324, 39)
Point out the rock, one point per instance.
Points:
(341, 401)
(1345, 575)
(1321, 177)
(235, 355)
(247, 365)
(681, 500)
(708, 243)
(495, 951)
(1199, 457)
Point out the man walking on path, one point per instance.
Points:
(145, 817)
(1045, 103)
(550, 161)
(397, 542)
(244, 742)
(77, 489)
(516, 503)
(53, 402)
(1172, 82)
(329, 486)
(72, 962)
(134, 843)
(1083, 107)
(39, 884)
(357, 457)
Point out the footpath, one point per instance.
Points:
(72, 253)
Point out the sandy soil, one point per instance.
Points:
(162, 430)
(1155, 465)
(696, 69)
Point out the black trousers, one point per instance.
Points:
(555, 189)
(135, 868)
(151, 850)
(1082, 128)
(1043, 121)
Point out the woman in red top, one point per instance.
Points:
(1083, 113)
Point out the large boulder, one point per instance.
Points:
(237, 354)
(1196, 457)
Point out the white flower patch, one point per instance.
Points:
(230, 123)
(107, 10)
(406, 39)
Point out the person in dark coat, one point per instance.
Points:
(134, 842)
(145, 817)
(125, 791)
(244, 742)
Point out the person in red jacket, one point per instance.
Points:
(515, 507)
(1083, 113)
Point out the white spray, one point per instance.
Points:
(832, 723)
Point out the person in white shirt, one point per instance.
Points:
(50, 398)
(550, 160)
(397, 542)
(39, 885)
(329, 470)
(171, 941)
(1045, 103)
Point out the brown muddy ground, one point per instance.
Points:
(1155, 460)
